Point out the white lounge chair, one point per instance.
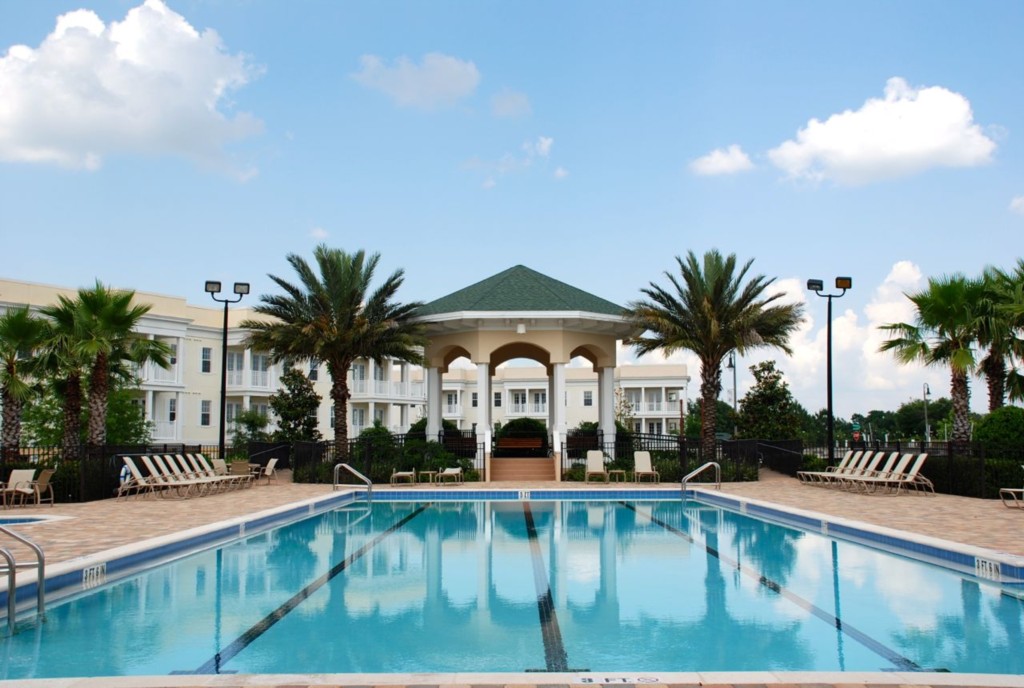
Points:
(642, 467)
(1012, 497)
(137, 483)
(450, 474)
(403, 476)
(269, 471)
(857, 464)
(595, 465)
(19, 485)
(814, 476)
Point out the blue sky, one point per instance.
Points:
(156, 145)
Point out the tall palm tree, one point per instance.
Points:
(61, 364)
(1000, 331)
(711, 309)
(944, 332)
(334, 318)
(20, 335)
(95, 333)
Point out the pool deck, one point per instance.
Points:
(87, 529)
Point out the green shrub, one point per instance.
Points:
(1001, 432)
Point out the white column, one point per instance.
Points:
(247, 371)
(433, 402)
(179, 418)
(557, 402)
(483, 405)
(606, 400)
(179, 368)
(150, 411)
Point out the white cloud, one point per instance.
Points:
(439, 81)
(150, 84)
(722, 161)
(489, 183)
(509, 103)
(540, 148)
(1017, 205)
(906, 131)
(319, 233)
(561, 173)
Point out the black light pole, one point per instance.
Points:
(240, 289)
(735, 415)
(816, 285)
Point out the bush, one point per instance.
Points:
(1001, 432)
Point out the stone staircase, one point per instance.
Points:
(515, 469)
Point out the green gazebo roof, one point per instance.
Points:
(519, 289)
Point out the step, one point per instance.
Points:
(522, 469)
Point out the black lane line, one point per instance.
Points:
(554, 650)
(902, 663)
(214, 664)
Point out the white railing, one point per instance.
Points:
(164, 430)
(357, 387)
(261, 378)
(235, 378)
(381, 388)
(654, 407)
(387, 390)
(158, 374)
(517, 408)
(453, 409)
(538, 408)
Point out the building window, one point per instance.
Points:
(332, 416)
(473, 401)
(231, 411)
(588, 398)
(174, 354)
(358, 417)
(204, 413)
(206, 365)
(497, 399)
(314, 370)
(172, 409)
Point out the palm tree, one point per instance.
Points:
(999, 331)
(61, 364)
(712, 309)
(944, 332)
(95, 334)
(334, 318)
(20, 334)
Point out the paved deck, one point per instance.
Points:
(98, 526)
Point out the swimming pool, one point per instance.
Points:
(512, 586)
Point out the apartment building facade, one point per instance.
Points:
(182, 401)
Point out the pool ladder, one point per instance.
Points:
(369, 483)
(694, 473)
(10, 567)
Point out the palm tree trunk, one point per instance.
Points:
(710, 388)
(99, 387)
(11, 438)
(994, 370)
(961, 398)
(340, 395)
(72, 416)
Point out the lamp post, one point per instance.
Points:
(240, 289)
(732, 364)
(816, 285)
(925, 393)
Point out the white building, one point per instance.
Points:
(182, 401)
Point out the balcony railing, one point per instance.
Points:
(453, 410)
(414, 391)
(235, 378)
(150, 372)
(515, 409)
(164, 430)
(261, 378)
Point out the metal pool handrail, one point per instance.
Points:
(40, 565)
(694, 473)
(369, 483)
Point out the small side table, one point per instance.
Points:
(431, 476)
(621, 476)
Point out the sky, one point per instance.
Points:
(155, 145)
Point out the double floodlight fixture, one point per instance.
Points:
(213, 287)
(843, 283)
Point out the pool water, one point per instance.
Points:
(528, 586)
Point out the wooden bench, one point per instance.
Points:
(520, 443)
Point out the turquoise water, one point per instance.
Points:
(528, 586)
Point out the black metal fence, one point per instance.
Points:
(377, 455)
(672, 456)
(968, 469)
